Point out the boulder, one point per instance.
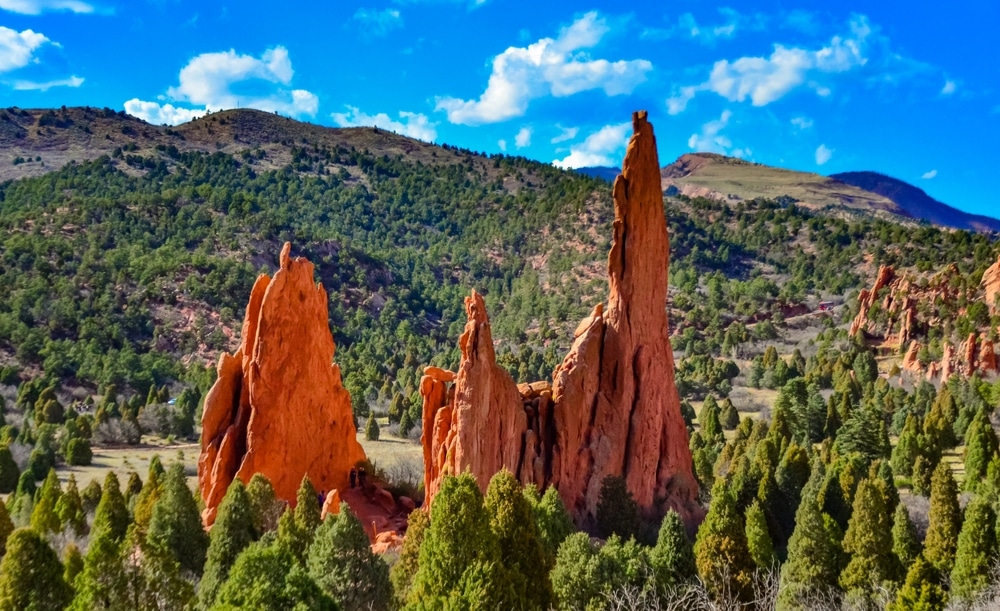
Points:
(613, 407)
(331, 506)
(279, 407)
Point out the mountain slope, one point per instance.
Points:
(916, 203)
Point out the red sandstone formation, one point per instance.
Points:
(867, 298)
(988, 357)
(910, 361)
(947, 361)
(279, 407)
(991, 286)
(612, 408)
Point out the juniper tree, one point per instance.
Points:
(981, 446)
(907, 447)
(945, 521)
(905, 544)
(265, 506)
(72, 563)
(759, 539)
(672, 558)
(554, 522)
(70, 509)
(266, 577)
(176, 523)
(617, 511)
(922, 590)
(977, 549)
(31, 576)
(402, 572)
(869, 542)
(307, 509)
(812, 566)
(231, 533)
(145, 503)
(6, 527)
(9, 473)
(722, 556)
(44, 517)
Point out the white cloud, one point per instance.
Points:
(802, 122)
(764, 80)
(599, 149)
(823, 154)
(565, 133)
(36, 7)
(929, 175)
(710, 140)
(207, 81)
(410, 124)
(502, 144)
(73, 81)
(688, 27)
(523, 137)
(165, 114)
(949, 87)
(17, 49)
(557, 67)
(378, 23)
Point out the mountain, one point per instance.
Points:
(916, 203)
(604, 173)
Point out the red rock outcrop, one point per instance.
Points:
(910, 361)
(991, 286)
(278, 406)
(988, 357)
(866, 299)
(612, 408)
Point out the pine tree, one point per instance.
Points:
(709, 423)
(6, 527)
(148, 497)
(307, 509)
(945, 521)
(150, 577)
(73, 563)
(371, 428)
(869, 541)
(672, 558)
(905, 544)
(907, 448)
(265, 507)
(132, 488)
(759, 539)
(91, 495)
(232, 532)
(812, 566)
(617, 511)
(342, 564)
(977, 548)
(176, 523)
(112, 514)
(101, 579)
(729, 417)
(921, 591)
(31, 576)
(521, 551)
(70, 509)
(458, 551)
(9, 473)
(981, 447)
(554, 522)
(722, 556)
(266, 577)
(402, 572)
(923, 469)
(44, 518)
(791, 475)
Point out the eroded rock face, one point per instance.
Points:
(279, 407)
(991, 286)
(866, 299)
(612, 407)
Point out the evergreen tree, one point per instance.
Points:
(148, 497)
(791, 475)
(91, 495)
(554, 522)
(342, 564)
(266, 577)
(907, 448)
(672, 558)
(938, 421)
(869, 541)
(405, 568)
(945, 521)
(759, 539)
(371, 428)
(722, 556)
(460, 555)
(231, 533)
(150, 577)
(292, 537)
(709, 422)
(265, 507)
(617, 511)
(516, 532)
(812, 566)
(73, 563)
(307, 509)
(977, 549)
(31, 576)
(6, 527)
(9, 473)
(729, 417)
(44, 517)
(981, 446)
(905, 544)
(176, 523)
(921, 591)
(70, 509)
(923, 470)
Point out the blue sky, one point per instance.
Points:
(911, 89)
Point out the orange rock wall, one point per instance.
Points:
(612, 408)
(278, 406)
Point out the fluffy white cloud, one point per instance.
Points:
(823, 154)
(929, 175)
(802, 122)
(688, 27)
(599, 149)
(17, 49)
(161, 114)
(949, 87)
(523, 137)
(410, 124)
(565, 133)
(557, 67)
(36, 7)
(710, 140)
(378, 23)
(73, 81)
(764, 80)
(207, 81)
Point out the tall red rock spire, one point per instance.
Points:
(613, 407)
(278, 406)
